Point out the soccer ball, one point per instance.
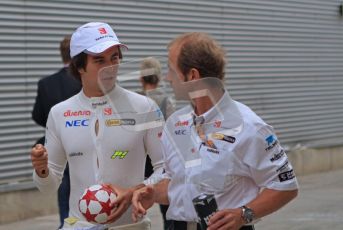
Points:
(94, 203)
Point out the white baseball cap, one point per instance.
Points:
(93, 38)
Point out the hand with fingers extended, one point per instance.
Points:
(226, 219)
(121, 203)
(142, 200)
(39, 158)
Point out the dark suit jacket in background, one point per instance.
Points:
(52, 90)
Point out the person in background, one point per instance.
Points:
(215, 145)
(52, 90)
(151, 74)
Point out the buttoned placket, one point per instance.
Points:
(199, 122)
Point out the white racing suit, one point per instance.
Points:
(128, 128)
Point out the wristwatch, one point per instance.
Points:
(248, 214)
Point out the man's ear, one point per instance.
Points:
(193, 74)
(81, 70)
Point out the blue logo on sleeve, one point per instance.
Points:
(271, 142)
(270, 139)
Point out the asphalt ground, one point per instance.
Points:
(319, 206)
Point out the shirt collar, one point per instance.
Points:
(224, 113)
(93, 103)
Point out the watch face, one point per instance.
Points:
(248, 214)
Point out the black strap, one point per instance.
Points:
(182, 225)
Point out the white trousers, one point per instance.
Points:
(145, 224)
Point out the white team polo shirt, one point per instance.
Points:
(245, 156)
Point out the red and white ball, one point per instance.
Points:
(94, 203)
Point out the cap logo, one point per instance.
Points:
(102, 31)
(93, 37)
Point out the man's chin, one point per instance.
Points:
(107, 88)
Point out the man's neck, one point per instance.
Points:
(204, 104)
(90, 93)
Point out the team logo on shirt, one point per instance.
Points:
(217, 124)
(78, 113)
(180, 132)
(119, 122)
(222, 137)
(284, 167)
(119, 154)
(277, 156)
(100, 103)
(271, 142)
(181, 123)
(212, 150)
(159, 113)
(75, 154)
(77, 123)
(107, 111)
(288, 175)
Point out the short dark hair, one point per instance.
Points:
(151, 70)
(80, 62)
(151, 79)
(65, 49)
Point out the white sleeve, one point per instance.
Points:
(166, 150)
(154, 149)
(268, 162)
(56, 158)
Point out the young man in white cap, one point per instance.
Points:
(97, 131)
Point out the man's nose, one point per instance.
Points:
(115, 61)
(111, 62)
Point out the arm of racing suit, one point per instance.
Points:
(56, 157)
(154, 149)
